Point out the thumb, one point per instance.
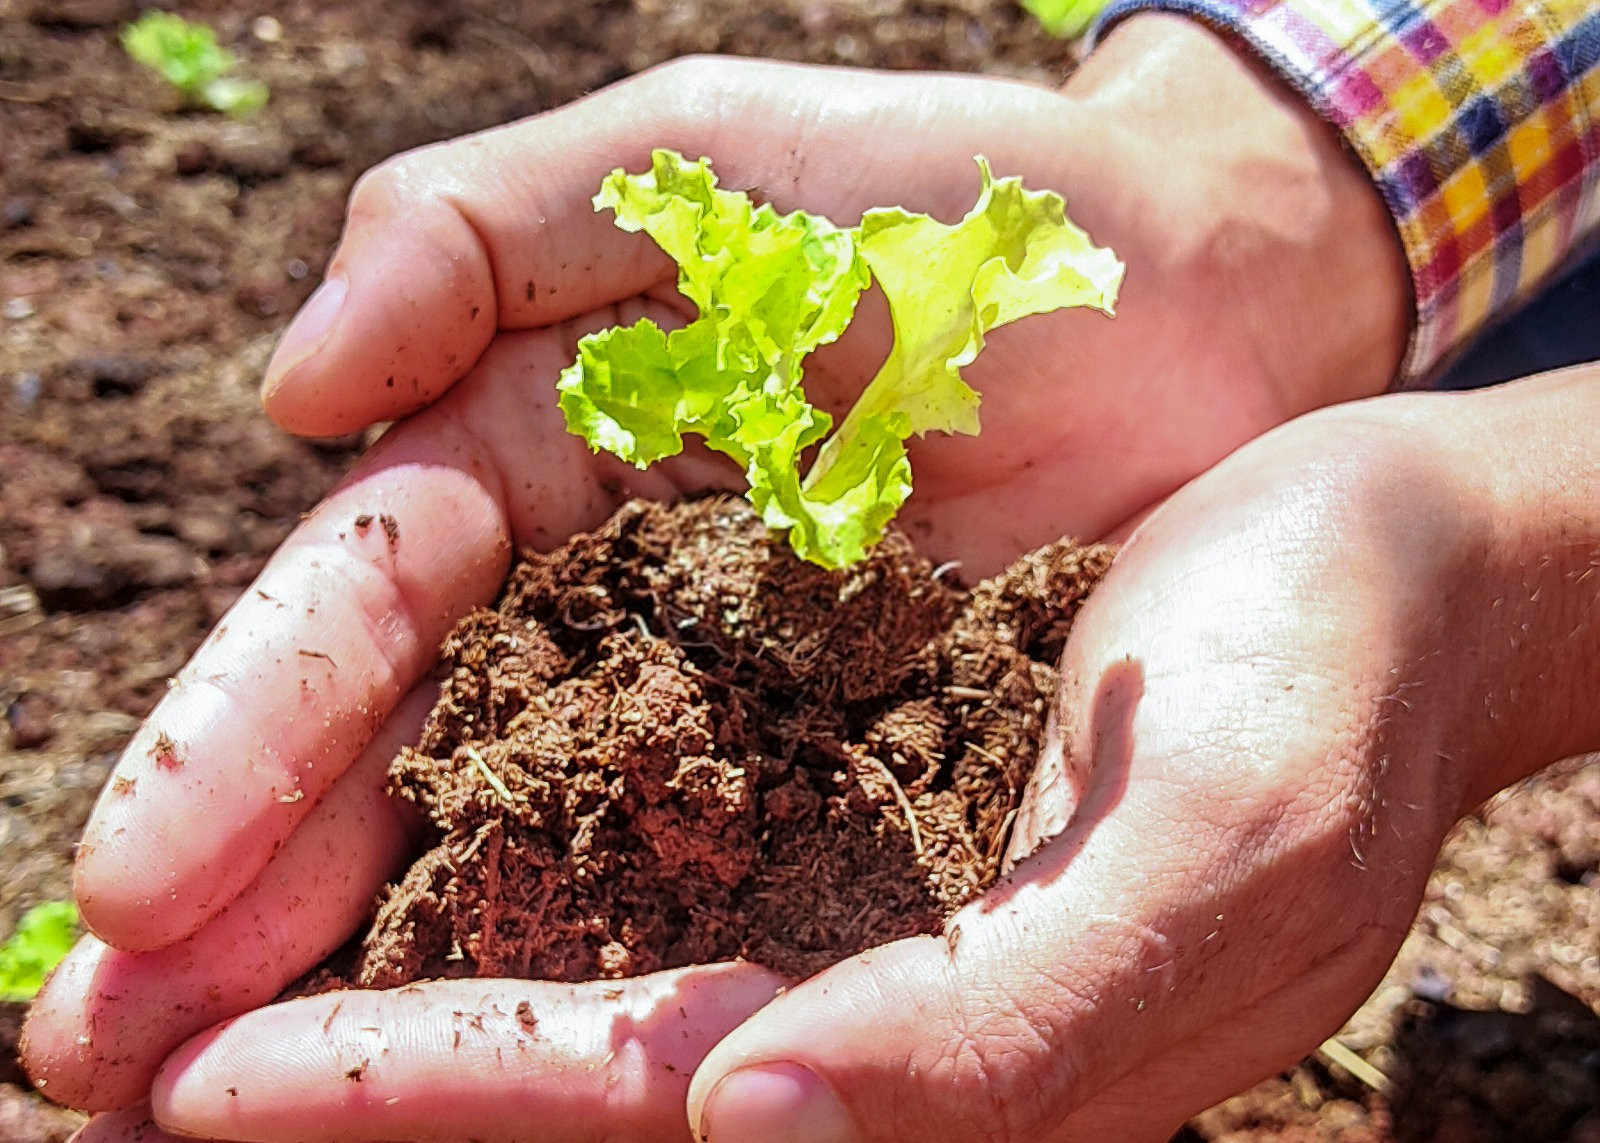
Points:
(1152, 957)
(992, 1030)
(987, 1031)
(960, 1036)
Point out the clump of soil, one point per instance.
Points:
(674, 742)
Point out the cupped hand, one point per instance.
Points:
(1301, 669)
(447, 1061)
(466, 275)
(483, 259)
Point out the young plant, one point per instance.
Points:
(770, 288)
(45, 934)
(189, 57)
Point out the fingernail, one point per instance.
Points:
(774, 1103)
(307, 331)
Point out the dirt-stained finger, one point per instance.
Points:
(291, 685)
(106, 1019)
(490, 1060)
(345, 618)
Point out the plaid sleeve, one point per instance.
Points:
(1479, 120)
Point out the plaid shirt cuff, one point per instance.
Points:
(1478, 119)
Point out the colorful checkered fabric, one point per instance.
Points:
(1479, 119)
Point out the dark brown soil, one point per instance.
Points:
(674, 742)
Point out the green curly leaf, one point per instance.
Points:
(770, 288)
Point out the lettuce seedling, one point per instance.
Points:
(1066, 18)
(189, 57)
(770, 288)
(44, 936)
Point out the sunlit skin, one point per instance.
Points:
(1312, 656)
(1087, 420)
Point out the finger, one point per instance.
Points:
(489, 1060)
(290, 686)
(497, 230)
(106, 1019)
(132, 1126)
(344, 619)
(1095, 962)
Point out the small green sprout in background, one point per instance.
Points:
(45, 935)
(189, 57)
(1066, 18)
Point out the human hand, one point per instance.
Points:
(1302, 668)
(1267, 278)
(1244, 241)
(1227, 327)
(1300, 671)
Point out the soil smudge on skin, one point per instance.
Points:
(674, 742)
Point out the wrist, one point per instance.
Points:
(1486, 509)
(1267, 221)
(1527, 607)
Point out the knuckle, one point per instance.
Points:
(378, 601)
(419, 186)
(690, 99)
(687, 78)
(381, 186)
(1374, 462)
(684, 71)
(1005, 1065)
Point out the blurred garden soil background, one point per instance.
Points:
(150, 254)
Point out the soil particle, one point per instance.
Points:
(85, 567)
(115, 374)
(29, 718)
(12, 1014)
(81, 14)
(164, 753)
(674, 742)
(16, 212)
(26, 1119)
